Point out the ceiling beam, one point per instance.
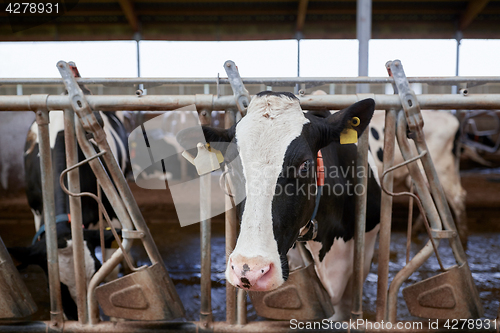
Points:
(474, 7)
(301, 14)
(130, 14)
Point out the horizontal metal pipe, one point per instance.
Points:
(173, 102)
(283, 81)
(222, 327)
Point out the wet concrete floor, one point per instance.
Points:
(180, 249)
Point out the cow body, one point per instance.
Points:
(37, 253)
(277, 145)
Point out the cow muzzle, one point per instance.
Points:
(254, 274)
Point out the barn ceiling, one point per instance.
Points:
(250, 20)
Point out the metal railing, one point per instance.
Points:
(235, 311)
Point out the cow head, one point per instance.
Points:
(277, 144)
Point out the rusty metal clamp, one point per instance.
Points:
(241, 95)
(406, 94)
(79, 103)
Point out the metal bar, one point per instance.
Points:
(210, 102)
(402, 275)
(363, 34)
(114, 199)
(205, 229)
(205, 235)
(384, 243)
(440, 198)
(16, 301)
(223, 327)
(42, 120)
(242, 307)
(359, 229)
(270, 81)
(75, 207)
(128, 205)
(230, 233)
(430, 210)
(241, 95)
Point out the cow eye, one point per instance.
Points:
(304, 168)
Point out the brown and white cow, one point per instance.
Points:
(277, 146)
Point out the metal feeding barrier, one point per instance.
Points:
(451, 294)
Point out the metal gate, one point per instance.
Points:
(402, 112)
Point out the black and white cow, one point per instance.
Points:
(440, 132)
(277, 144)
(36, 253)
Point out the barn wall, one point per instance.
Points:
(13, 129)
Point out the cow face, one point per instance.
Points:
(277, 144)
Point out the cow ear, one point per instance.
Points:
(337, 122)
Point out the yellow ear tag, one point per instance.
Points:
(350, 135)
(220, 157)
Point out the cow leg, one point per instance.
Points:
(343, 309)
(334, 272)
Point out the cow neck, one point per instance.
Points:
(310, 230)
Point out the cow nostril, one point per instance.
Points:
(232, 266)
(262, 271)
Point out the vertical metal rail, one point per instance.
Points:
(384, 243)
(205, 233)
(230, 233)
(39, 103)
(363, 34)
(359, 228)
(242, 307)
(75, 207)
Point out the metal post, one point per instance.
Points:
(242, 307)
(231, 225)
(363, 33)
(458, 37)
(42, 120)
(384, 243)
(75, 206)
(359, 228)
(205, 230)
